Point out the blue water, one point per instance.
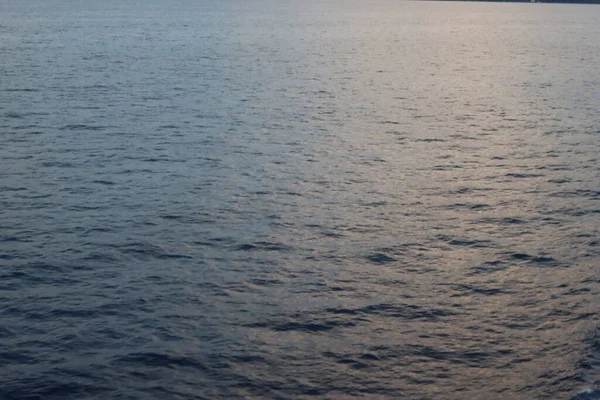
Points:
(333, 199)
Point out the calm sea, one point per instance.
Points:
(299, 200)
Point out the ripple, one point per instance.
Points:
(298, 203)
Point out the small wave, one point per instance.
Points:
(28, 388)
(489, 267)
(352, 363)
(559, 180)
(10, 239)
(544, 260)
(57, 164)
(264, 246)
(159, 360)
(446, 167)
(146, 250)
(266, 282)
(81, 127)
(103, 182)
(429, 140)
(12, 189)
(511, 221)
(312, 327)
(587, 394)
(591, 194)
(13, 115)
(379, 258)
(522, 175)
(465, 290)
(7, 333)
(405, 311)
(332, 234)
(104, 257)
(470, 243)
(503, 221)
(309, 326)
(21, 90)
(83, 208)
(469, 206)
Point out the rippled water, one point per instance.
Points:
(263, 199)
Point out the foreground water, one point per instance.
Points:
(280, 200)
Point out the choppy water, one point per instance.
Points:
(266, 199)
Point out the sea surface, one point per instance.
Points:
(311, 199)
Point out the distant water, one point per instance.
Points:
(292, 200)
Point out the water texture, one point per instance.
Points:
(275, 199)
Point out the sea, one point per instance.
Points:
(299, 199)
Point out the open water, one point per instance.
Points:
(299, 200)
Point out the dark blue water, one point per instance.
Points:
(263, 199)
